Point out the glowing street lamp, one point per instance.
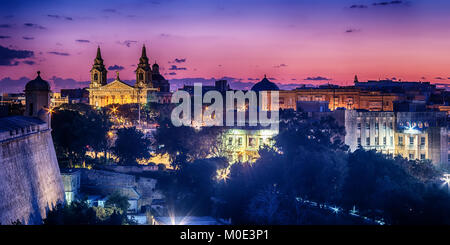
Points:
(49, 115)
(114, 109)
(446, 181)
(335, 210)
(223, 174)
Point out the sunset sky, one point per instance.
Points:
(302, 41)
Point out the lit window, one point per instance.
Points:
(384, 140)
(400, 140)
(251, 142)
(411, 140)
(422, 140)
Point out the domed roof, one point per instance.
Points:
(265, 85)
(37, 84)
(158, 77)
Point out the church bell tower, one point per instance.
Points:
(98, 71)
(143, 71)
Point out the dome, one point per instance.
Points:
(158, 77)
(37, 84)
(265, 85)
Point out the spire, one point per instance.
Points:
(117, 76)
(144, 52)
(356, 79)
(144, 60)
(99, 54)
(39, 74)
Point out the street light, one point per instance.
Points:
(114, 109)
(49, 116)
(446, 180)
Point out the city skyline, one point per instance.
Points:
(290, 41)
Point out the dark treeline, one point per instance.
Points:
(309, 161)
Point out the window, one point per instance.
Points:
(411, 140)
(390, 125)
(230, 141)
(359, 141)
(377, 141)
(411, 156)
(239, 141)
(368, 141)
(384, 125)
(141, 76)
(95, 77)
(384, 140)
(261, 142)
(392, 140)
(359, 125)
(251, 142)
(376, 126)
(367, 126)
(422, 156)
(422, 141)
(400, 140)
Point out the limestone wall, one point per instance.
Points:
(30, 181)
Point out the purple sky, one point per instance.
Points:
(298, 41)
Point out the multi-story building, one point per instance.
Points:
(413, 135)
(422, 135)
(243, 144)
(370, 130)
(56, 99)
(340, 97)
(148, 81)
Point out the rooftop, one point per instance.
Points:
(17, 122)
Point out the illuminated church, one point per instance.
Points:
(150, 85)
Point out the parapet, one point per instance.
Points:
(17, 126)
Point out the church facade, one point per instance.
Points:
(150, 85)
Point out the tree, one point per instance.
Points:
(186, 144)
(269, 207)
(190, 188)
(77, 129)
(80, 213)
(69, 137)
(131, 144)
(115, 200)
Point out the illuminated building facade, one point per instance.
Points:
(413, 135)
(150, 85)
(340, 97)
(370, 130)
(56, 99)
(242, 144)
(422, 135)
